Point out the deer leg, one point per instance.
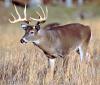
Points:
(51, 63)
(82, 50)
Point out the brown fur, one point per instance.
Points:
(57, 40)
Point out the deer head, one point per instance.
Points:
(30, 30)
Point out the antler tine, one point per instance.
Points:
(13, 17)
(42, 11)
(45, 15)
(17, 12)
(38, 14)
(46, 12)
(25, 12)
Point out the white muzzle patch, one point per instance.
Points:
(25, 40)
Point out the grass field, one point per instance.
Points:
(27, 64)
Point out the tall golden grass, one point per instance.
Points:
(27, 64)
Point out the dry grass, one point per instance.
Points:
(27, 64)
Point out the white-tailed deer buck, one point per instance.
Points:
(55, 40)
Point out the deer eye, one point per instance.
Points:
(31, 32)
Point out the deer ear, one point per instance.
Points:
(27, 22)
(40, 22)
(37, 26)
(43, 21)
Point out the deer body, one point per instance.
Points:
(54, 39)
(59, 40)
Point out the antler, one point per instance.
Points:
(45, 15)
(19, 17)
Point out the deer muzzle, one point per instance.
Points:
(23, 41)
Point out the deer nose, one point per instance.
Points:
(23, 41)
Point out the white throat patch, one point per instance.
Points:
(37, 41)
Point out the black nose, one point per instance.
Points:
(22, 41)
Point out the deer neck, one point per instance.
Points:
(39, 37)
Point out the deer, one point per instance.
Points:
(54, 40)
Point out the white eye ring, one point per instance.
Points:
(23, 26)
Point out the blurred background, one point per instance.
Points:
(65, 9)
(24, 64)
